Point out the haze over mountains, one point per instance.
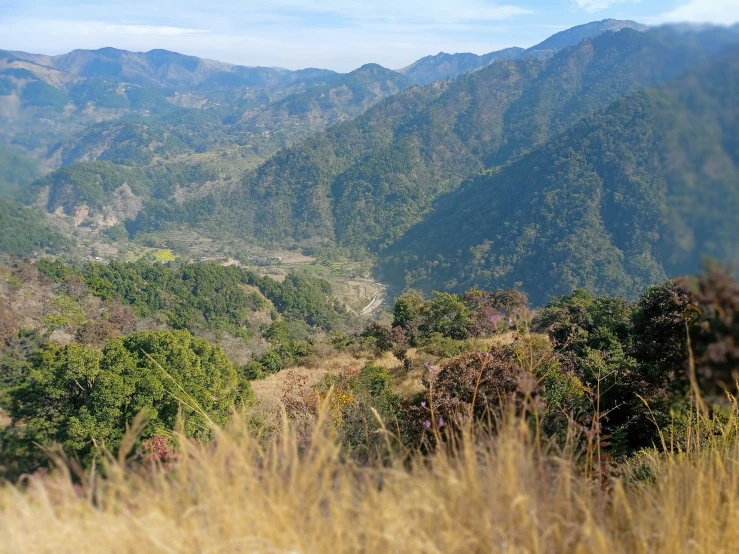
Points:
(594, 158)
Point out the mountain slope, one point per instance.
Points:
(304, 113)
(365, 182)
(616, 203)
(16, 171)
(573, 36)
(23, 231)
(449, 66)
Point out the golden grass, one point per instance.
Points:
(495, 495)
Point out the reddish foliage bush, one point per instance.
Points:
(716, 336)
(480, 384)
(159, 450)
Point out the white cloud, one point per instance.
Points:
(704, 11)
(592, 6)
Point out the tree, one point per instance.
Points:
(82, 397)
(661, 321)
(448, 315)
(408, 307)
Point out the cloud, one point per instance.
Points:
(592, 6)
(703, 11)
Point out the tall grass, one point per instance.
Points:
(496, 494)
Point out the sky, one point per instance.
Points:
(333, 34)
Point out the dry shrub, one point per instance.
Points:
(8, 323)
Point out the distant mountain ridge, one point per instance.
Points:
(448, 66)
(165, 68)
(574, 35)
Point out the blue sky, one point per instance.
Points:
(334, 34)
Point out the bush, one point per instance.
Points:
(352, 404)
(445, 347)
(715, 335)
(478, 385)
(448, 315)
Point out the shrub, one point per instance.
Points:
(352, 404)
(716, 334)
(448, 315)
(479, 385)
(445, 347)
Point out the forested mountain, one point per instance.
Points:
(365, 182)
(302, 114)
(161, 68)
(449, 66)
(280, 123)
(117, 105)
(23, 231)
(623, 198)
(139, 140)
(168, 147)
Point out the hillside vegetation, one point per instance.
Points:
(489, 305)
(538, 441)
(624, 198)
(25, 231)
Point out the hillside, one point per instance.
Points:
(16, 170)
(365, 182)
(117, 105)
(25, 232)
(305, 113)
(624, 198)
(449, 66)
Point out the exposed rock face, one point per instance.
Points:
(126, 205)
(80, 214)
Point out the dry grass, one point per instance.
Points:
(277, 385)
(495, 495)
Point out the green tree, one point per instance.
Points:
(448, 315)
(82, 398)
(408, 314)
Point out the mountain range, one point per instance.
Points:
(362, 184)
(604, 157)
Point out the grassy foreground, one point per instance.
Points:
(502, 494)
